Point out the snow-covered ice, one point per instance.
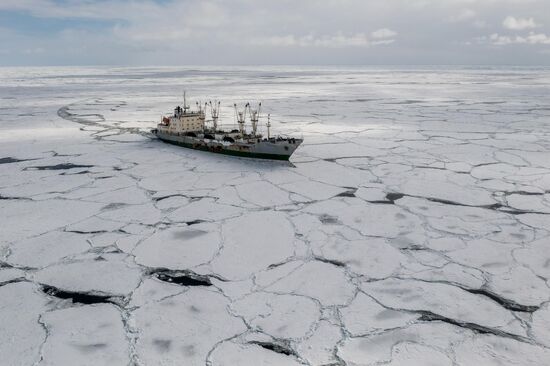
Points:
(412, 227)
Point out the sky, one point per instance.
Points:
(274, 32)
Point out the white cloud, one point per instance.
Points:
(532, 39)
(383, 42)
(197, 31)
(383, 33)
(337, 40)
(498, 40)
(383, 36)
(340, 40)
(277, 41)
(519, 23)
(538, 38)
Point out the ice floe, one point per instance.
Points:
(412, 226)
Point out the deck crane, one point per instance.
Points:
(215, 112)
(200, 108)
(202, 112)
(254, 117)
(241, 117)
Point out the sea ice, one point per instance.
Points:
(411, 227)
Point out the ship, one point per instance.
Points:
(188, 128)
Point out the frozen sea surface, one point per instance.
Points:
(411, 228)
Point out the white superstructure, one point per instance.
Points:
(184, 120)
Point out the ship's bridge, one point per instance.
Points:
(184, 121)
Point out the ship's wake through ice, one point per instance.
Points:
(412, 228)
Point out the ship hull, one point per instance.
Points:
(280, 150)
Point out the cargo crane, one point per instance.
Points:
(202, 112)
(254, 117)
(241, 117)
(215, 113)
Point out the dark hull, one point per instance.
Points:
(243, 154)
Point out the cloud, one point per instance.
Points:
(266, 31)
(337, 40)
(382, 36)
(279, 41)
(383, 42)
(539, 38)
(340, 40)
(519, 23)
(531, 39)
(383, 33)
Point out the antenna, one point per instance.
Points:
(254, 117)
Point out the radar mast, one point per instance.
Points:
(268, 125)
(185, 106)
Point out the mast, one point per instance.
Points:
(185, 106)
(268, 125)
(254, 117)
